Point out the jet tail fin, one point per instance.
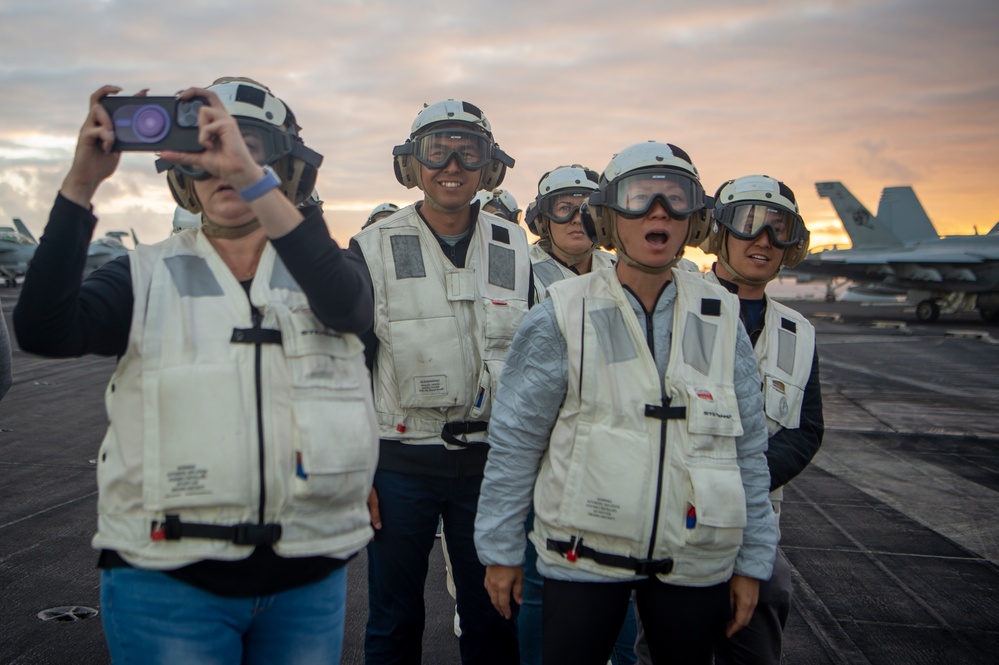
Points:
(902, 214)
(994, 231)
(135, 238)
(23, 230)
(862, 227)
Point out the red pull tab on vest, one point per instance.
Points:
(157, 533)
(571, 555)
(400, 428)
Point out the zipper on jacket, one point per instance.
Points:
(649, 339)
(258, 384)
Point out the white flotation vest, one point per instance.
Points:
(443, 331)
(226, 433)
(641, 475)
(784, 353)
(547, 270)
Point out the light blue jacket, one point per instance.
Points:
(527, 404)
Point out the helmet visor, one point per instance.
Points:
(561, 206)
(747, 221)
(436, 148)
(634, 194)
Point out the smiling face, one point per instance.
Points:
(653, 239)
(755, 259)
(451, 187)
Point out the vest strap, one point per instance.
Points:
(573, 548)
(255, 336)
(665, 412)
(451, 431)
(239, 534)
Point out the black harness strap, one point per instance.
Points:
(644, 567)
(451, 431)
(255, 336)
(240, 534)
(665, 412)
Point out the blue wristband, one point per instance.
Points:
(261, 187)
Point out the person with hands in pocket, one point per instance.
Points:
(630, 409)
(242, 442)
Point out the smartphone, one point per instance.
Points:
(154, 123)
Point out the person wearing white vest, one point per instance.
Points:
(242, 439)
(630, 410)
(756, 230)
(380, 212)
(563, 248)
(451, 285)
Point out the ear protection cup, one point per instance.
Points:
(700, 225)
(795, 255)
(597, 221)
(182, 189)
(531, 217)
(405, 165)
(492, 175)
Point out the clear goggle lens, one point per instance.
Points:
(266, 143)
(634, 194)
(563, 205)
(747, 221)
(435, 149)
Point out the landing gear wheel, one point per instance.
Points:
(928, 311)
(989, 315)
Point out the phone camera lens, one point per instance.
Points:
(150, 123)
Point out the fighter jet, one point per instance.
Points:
(900, 249)
(17, 247)
(108, 248)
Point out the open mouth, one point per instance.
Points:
(657, 238)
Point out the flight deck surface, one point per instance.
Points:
(891, 533)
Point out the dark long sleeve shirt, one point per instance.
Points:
(61, 315)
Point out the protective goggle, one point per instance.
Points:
(747, 221)
(436, 148)
(634, 194)
(561, 206)
(266, 143)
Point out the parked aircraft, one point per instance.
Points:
(108, 248)
(900, 249)
(17, 247)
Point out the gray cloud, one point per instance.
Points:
(858, 91)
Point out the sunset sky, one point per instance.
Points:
(871, 93)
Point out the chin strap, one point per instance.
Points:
(213, 230)
(565, 257)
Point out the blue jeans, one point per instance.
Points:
(397, 572)
(151, 618)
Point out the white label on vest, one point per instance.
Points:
(602, 508)
(430, 385)
(187, 480)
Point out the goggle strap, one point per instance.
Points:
(503, 158)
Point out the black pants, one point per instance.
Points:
(581, 620)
